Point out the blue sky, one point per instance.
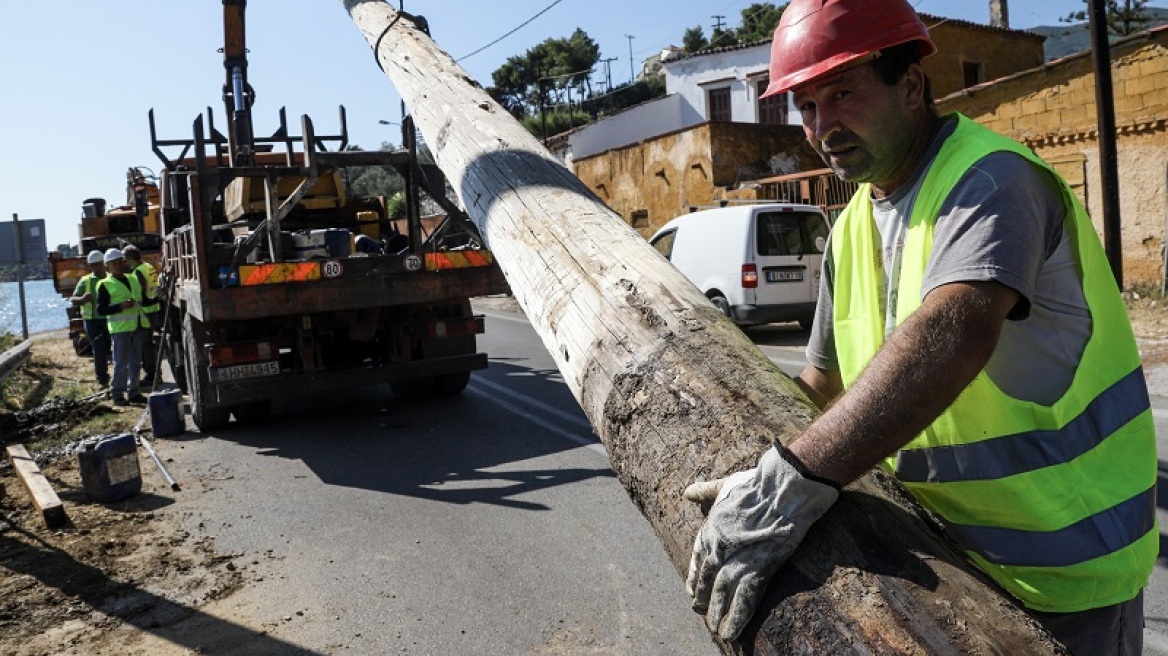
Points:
(79, 76)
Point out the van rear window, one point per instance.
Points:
(789, 233)
(664, 243)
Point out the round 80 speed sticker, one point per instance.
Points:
(331, 269)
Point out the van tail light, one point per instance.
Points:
(749, 276)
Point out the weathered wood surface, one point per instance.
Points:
(676, 392)
(44, 498)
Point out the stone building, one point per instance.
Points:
(1052, 109)
(711, 131)
(656, 179)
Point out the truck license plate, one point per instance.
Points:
(240, 371)
(784, 276)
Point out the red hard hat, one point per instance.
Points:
(815, 37)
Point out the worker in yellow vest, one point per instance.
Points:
(120, 299)
(969, 337)
(85, 297)
(148, 276)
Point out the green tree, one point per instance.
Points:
(373, 181)
(561, 63)
(1123, 18)
(758, 22)
(720, 38)
(557, 122)
(694, 39)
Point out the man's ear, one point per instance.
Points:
(913, 85)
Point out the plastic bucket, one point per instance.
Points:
(109, 467)
(166, 418)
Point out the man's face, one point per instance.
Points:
(97, 269)
(116, 267)
(860, 126)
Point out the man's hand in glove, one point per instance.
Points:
(756, 520)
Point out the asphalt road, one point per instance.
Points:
(487, 523)
(784, 344)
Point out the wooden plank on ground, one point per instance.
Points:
(43, 496)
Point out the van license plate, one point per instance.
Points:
(784, 276)
(240, 371)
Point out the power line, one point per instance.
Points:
(521, 26)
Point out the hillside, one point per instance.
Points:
(1067, 39)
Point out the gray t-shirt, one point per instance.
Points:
(1002, 222)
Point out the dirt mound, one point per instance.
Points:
(122, 563)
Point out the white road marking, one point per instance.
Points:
(588, 442)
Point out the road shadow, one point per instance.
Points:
(788, 334)
(30, 555)
(509, 416)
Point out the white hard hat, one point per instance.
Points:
(94, 257)
(113, 254)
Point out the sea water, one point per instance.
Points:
(44, 306)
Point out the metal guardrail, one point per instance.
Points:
(13, 358)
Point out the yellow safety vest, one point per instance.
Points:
(151, 277)
(88, 284)
(125, 321)
(1057, 503)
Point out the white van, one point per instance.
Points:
(757, 263)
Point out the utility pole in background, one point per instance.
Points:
(20, 274)
(542, 100)
(718, 22)
(632, 76)
(1108, 159)
(608, 73)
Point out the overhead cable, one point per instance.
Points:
(521, 26)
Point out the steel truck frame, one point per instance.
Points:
(258, 308)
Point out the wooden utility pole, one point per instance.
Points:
(676, 392)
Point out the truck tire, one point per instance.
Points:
(177, 360)
(413, 390)
(81, 345)
(207, 418)
(451, 384)
(252, 413)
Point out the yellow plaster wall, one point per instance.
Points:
(653, 181)
(958, 42)
(1053, 110)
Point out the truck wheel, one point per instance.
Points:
(205, 417)
(177, 361)
(412, 390)
(451, 384)
(252, 413)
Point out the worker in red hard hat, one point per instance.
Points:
(969, 338)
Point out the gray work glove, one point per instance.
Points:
(757, 519)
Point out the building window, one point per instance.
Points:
(641, 219)
(972, 73)
(718, 104)
(772, 110)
